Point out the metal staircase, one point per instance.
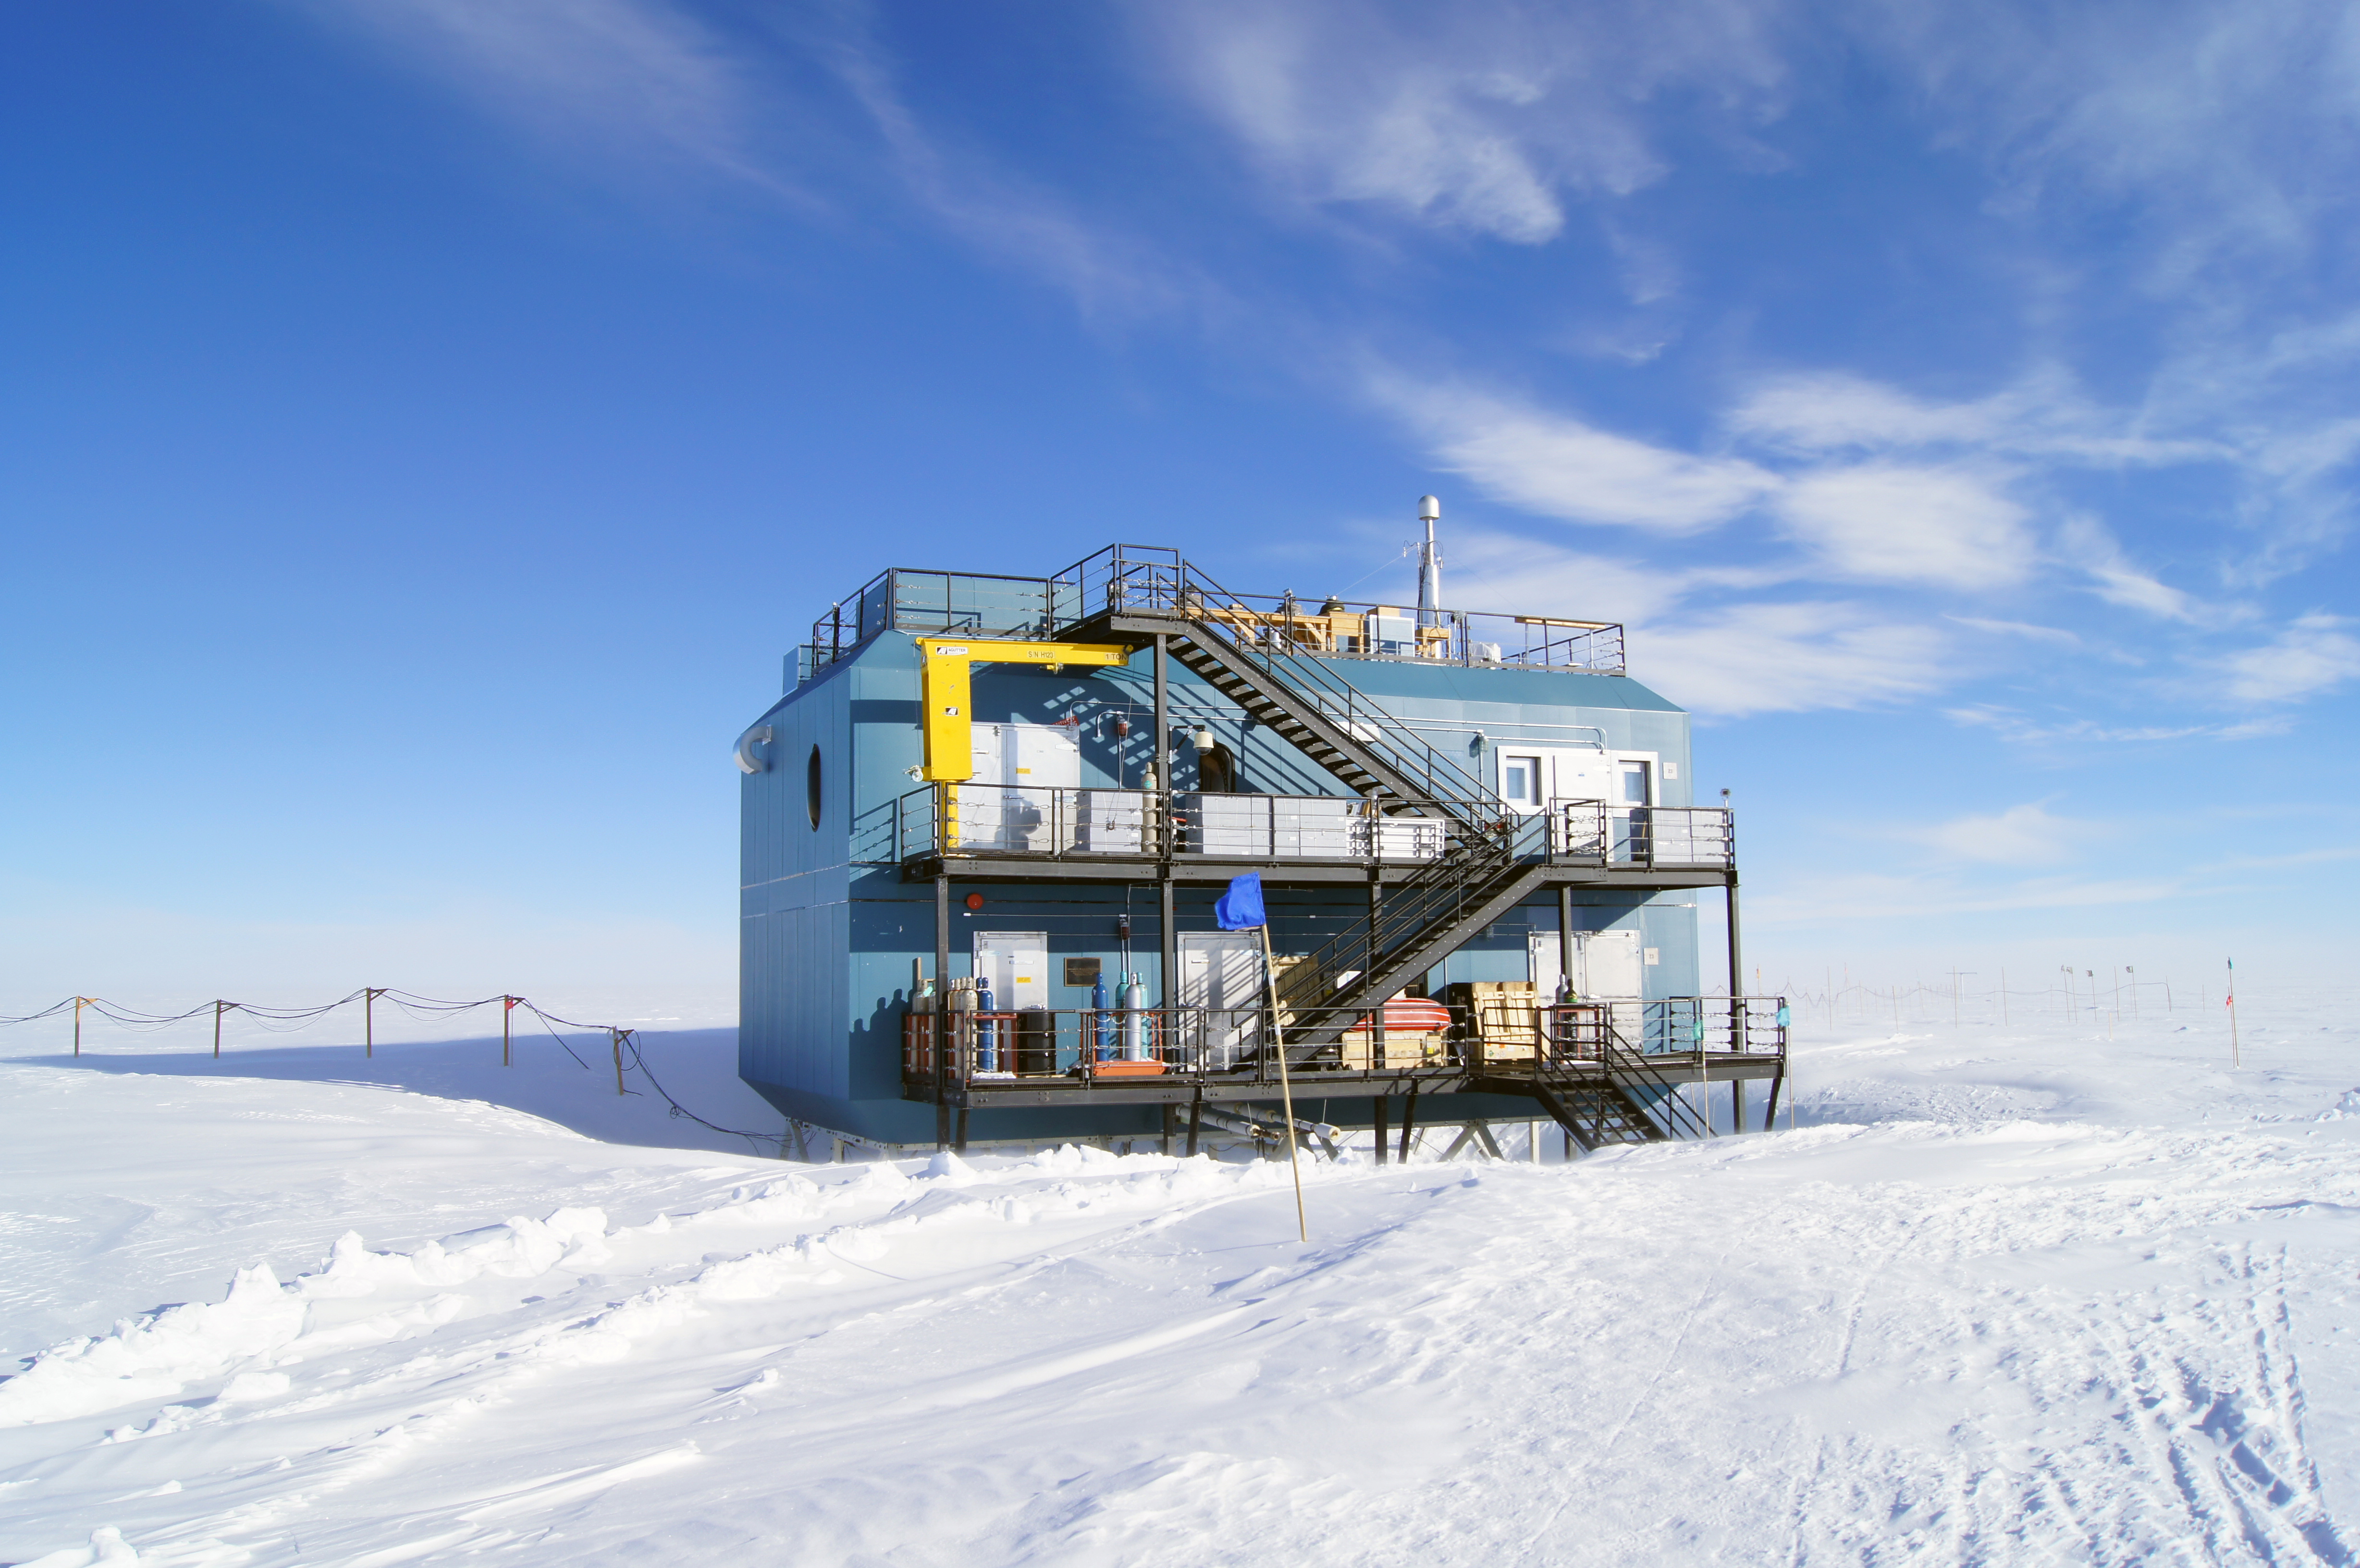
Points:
(1130, 593)
(1596, 1113)
(1492, 858)
(1600, 1089)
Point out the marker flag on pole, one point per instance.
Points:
(1241, 908)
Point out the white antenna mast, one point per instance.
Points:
(1430, 564)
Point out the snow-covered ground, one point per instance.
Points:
(2006, 1294)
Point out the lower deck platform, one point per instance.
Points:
(1707, 1067)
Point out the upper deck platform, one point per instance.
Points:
(1147, 579)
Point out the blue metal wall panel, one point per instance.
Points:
(829, 928)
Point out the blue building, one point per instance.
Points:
(985, 827)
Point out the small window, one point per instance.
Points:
(811, 787)
(1520, 780)
(1634, 784)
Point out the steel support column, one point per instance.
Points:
(942, 1042)
(1736, 1006)
(1162, 718)
(1564, 940)
(1169, 928)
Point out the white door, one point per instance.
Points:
(1017, 966)
(1606, 965)
(1221, 972)
(1612, 973)
(1632, 800)
(1611, 970)
(1580, 775)
(1012, 804)
(1547, 962)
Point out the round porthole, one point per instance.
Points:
(810, 786)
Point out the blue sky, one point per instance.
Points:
(429, 421)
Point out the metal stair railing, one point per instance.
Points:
(1483, 859)
(1157, 581)
(1413, 916)
(1480, 860)
(1670, 1109)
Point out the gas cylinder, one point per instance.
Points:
(1104, 1043)
(1134, 1019)
(923, 1003)
(958, 1029)
(987, 1031)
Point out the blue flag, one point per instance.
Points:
(1239, 908)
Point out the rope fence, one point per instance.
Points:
(624, 1043)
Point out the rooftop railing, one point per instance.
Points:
(899, 599)
(1154, 577)
(1149, 576)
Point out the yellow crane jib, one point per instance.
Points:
(946, 667)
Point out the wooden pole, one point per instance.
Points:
(370, 993)
(78, 1004)
(217, 1013)
(618, 1035)
(1285, 1086)
(507, 1006)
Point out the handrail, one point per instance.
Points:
(1435, 895)
(1159, 581)
(1642, 835)
(1678, 1118)
(1474, 638)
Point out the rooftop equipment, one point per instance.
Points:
(1429, 565)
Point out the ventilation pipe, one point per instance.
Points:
(1429, 565)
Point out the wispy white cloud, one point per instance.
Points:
(2021, 835)
(1741, 659)
(2312, 657)
(1107, 272)
(2039, 415)
(2057, 636)
(1897, 523)
(2085, 541)
(2023, 729)
(631, 76)
(1712, 657)
(1553, 465)
(1480, 119)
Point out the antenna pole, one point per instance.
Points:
(1429, 565)
(2234, 1053)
